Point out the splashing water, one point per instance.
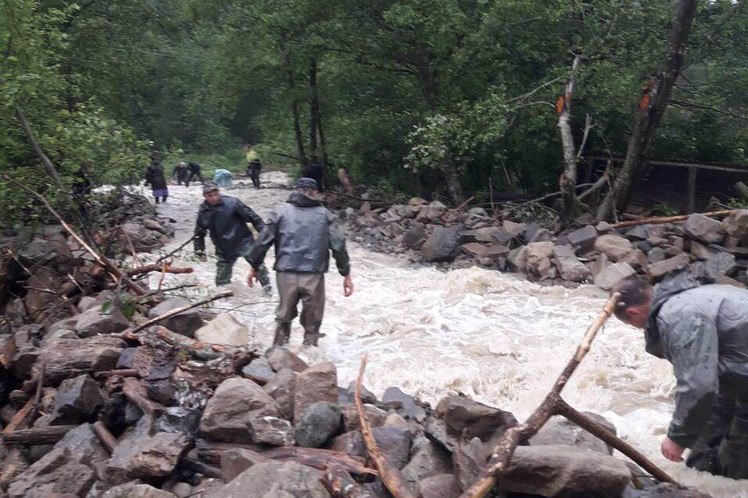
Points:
(495, 337)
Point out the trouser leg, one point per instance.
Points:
(224, 269)
(704, 452)
(733, 451)
(312, 290)
(288, 294)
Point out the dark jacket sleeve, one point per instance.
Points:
(266, 238)
(337, 246)
(249, 216)
(148, 175)
(692, 346)
(200, 233)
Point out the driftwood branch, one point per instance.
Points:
(390, 476)
(164, 268)
(42, 435)
(176, 311)
(106, 437)
(341, 485)
(51, 170)
(658, 220)
(504, 450)
(167, 256)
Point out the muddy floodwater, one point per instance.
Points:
(493, 336)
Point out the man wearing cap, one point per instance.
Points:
(226, 219)
(304, 233)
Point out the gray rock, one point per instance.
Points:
(280, 357)
(77, 401)
(538, 261)
(517, 258)
(658, 270)
(664, 491)
(539, 235)
(96, 321)
(656, 254)
(468, 460)
(491, 251)
(614, 247)
(259, 371)
(405, 404)
(467, 419)
(185, 323)
(68, 468)
(86, 303)
(235, 402)
(317, 383)
(271, 431)
(704, 229)
(570, 268)
(583, 238)
(719, 265)
(559, 430)
(351, 443)
(516, 230)
(565, 471)
(143, 453)
(275, 480)
(414, 236)
(135, 490)
(612, 274)
(63, 358)
(442, 245)
(702, 251)
(282, 388)
(182, 490)
(319, 423)
(234, 461)
(431, 212)
(640, 232)
(428, 461)
(439, 486)
(223, 329)
(486, 234)
(395, 444)
(351, 421)
(736, 226)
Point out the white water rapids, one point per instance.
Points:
(495, 337)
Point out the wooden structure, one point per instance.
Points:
(683, 185)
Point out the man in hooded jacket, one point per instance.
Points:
(304, 234)
(703, 331)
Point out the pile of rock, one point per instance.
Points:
(136, 223)
(715, 250)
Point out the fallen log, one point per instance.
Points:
(341, 485)
(166, 268)
(390, 476)
(551, 405)
(42, 435)
(179, 310)
(659, 220)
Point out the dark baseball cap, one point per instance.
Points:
(209, 186)
(310, 183)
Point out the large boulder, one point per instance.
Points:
(282, 388)
(612, 274)
(736, 226)
(704, 229)
(77, 400)
(223, 329)
(320, 422)
(68, 468)
(657, 271)
(63, 358)
(442, 245)
(559, 430)
(467, 419)
(317, 383)
(101, 319)
(565, 471)
(234, 461)
(583, 238)
(143, 453)
(259, 371)
(185, 323)
(439, 486)
(405, 404)
(428, 461)
(272, 431)
(395, 444)
(275, 480)
(614, 247)
(719, 265)
(569, 267)
(235, 402)
(538, 262)
(280, 357)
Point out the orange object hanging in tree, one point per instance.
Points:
(560, 102)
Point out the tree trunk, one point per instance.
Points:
(313, 108)
(649, 113)
(294, 104)
(568, 181)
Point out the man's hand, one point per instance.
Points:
(347, 285)
(672, 450)
(252, 277)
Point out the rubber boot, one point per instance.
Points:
(312, 338)
(282, 334)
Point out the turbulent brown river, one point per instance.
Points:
(493, 336)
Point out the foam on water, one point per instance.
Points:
(492, 336)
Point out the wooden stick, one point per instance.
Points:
(42, 435)
(106, 437)
(600, 432)
(20, 418)
(391, 477)
(658, 220)
(504, 450)
(135, 392)
(179, 310)
(124, 372)
(165, 268)
(341, 484)
(167, 256)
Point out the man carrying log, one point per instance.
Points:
(703, 331)
(304, 233)
(226, 219)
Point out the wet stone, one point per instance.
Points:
(320, 422)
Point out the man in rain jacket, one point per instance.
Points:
(703, 331)
(226, 219)
(304, 233)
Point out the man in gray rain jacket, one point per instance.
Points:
(304, 234)
(703, 331)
